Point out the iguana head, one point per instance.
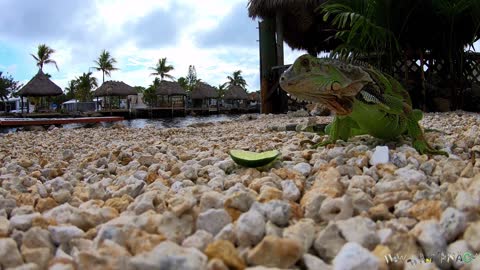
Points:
(326, 81)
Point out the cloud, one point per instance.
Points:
(136, 33)
(235, 29)
(159, 28)
(32, 20)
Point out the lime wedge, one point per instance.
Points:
(253, 159)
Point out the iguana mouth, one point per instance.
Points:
(340, 107)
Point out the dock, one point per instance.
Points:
(55, 121)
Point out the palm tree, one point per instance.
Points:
(161, 69)
(71, 89)
(43, 56)
(182, 81)
(222, 88)
(7, 86)
(85, 84)
(363, 26)
(105, 64)
(236, 79)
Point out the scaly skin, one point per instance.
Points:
(365, 100)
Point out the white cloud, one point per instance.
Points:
(138, 33)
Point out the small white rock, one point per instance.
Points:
(352, 256)
(379, 156)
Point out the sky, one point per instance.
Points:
(216, 36)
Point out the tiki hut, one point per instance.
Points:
(236, 97)
(302, 27)
(115, 89)
(171, 95)
(203, 95)
(39, 86)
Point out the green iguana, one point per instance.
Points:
(365, 100)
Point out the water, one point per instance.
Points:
(156, 123)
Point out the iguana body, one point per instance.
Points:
(365, 100)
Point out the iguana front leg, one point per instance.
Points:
(341, 128)
(419, 142)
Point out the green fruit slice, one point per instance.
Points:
(253, 159)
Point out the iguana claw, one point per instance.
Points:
(315, 145)
(424, 148)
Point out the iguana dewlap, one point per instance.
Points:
(365, 100)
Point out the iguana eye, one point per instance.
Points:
(335, 86)
(305, 62)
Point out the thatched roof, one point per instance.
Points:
(235, 92)
(203, 90)
(114, 88)
(167, 88)
(40, 86)
(303, 28)
(254, 96)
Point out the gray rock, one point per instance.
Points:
(8, 205)
(140, 175)
(9, 254)
(68, 155)
(227, 233)
(250, 228)
(110, 232)
(410, 176)
(213, 220)
(37, 237)
(146, 160)
(175, 228)
(4, 227)
(428, 167)
(31, 265)
(23, 222)
(303, 231)
(329, 241)
(360, 230)
(402, 207)
(277, 211)
(430, 237)
(22, 210)
(472, 236)
(169, 256)
(465, 202)
(241, 200)
(315, 263)
(304, 168)
(290, 190)
(61, 196)
(199, 240)
(133, 190)
(352, 256)
(272, 229)
(453, 222)
(211, 199)
(458, 248)
(339, 208)
(64, 233)
(226, 165)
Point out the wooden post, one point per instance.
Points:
(279, 30)
(268, 59)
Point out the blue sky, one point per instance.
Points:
(216, 36)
